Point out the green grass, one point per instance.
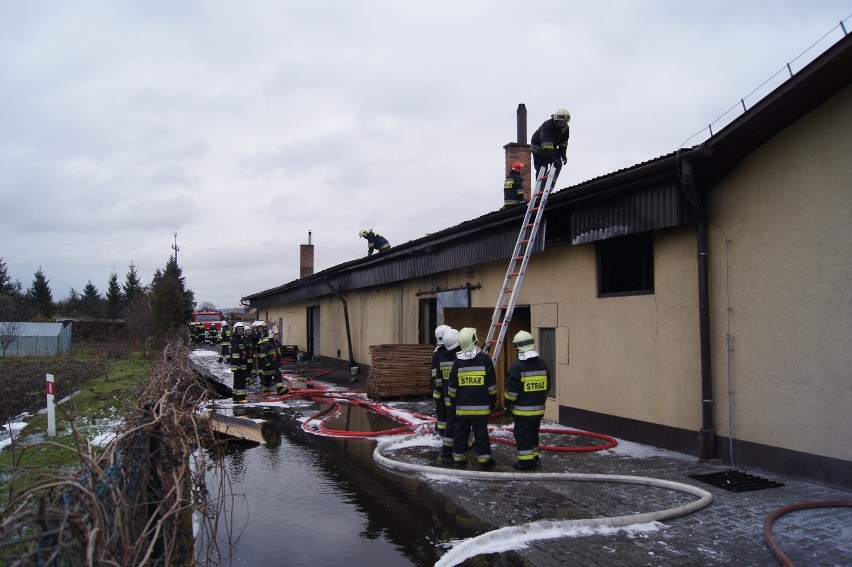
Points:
(94, 410)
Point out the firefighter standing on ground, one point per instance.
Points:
(438, 380)
(525, 398)
(445, 366)
(472, 392)
(513, 187)
(239, 353)
(225, 343)
(550, 142)
(269, 363)
(442, 363)
(375, 241)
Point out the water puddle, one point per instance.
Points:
(303, 499)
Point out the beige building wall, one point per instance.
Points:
(781, 261)
(634, 356)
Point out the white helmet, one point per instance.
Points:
(258, 324)
(439, 333)
(467, 339)
(363, 232)
(239, 325)
(562, 115)
(451, 339)
(523, 341)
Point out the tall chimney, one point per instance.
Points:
(306, 258)
(520, 151)
(522, 123)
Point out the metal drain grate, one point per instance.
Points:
(736, 481)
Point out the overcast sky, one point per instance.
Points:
(241, 126)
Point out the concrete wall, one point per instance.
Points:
(781, 262)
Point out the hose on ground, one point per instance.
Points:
(767, 524)
(549, 529)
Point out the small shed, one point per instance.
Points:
(35, 339)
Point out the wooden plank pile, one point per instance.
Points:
(400, 371)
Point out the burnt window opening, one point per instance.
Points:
(626, 265)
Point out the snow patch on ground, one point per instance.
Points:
(12, 429)
(519, 537)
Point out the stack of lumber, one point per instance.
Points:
(400, 371)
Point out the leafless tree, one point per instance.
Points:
(9, 333)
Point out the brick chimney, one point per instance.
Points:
(306, 258)
(520, 150)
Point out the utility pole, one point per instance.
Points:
(175, 248)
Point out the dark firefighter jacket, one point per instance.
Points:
(442, 364)
(549, 138)
(527, 386)
(473, 385)
(513, 188)
(376, 242)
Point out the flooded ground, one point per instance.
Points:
(303, 499)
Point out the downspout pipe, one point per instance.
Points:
(345, 317)
(708, 433)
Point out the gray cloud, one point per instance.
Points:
(242, 128)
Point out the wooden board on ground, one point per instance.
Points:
(237, 427)
(400, 371)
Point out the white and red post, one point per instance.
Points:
(51, 406)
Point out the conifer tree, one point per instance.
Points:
(114, 297)
(132, 287)
(90, 302)
(40, 296)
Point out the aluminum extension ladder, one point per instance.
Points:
(522, 252)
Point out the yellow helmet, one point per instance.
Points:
(467, 339)
(523, 341)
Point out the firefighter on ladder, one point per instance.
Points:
(550, 142)
(525, 398)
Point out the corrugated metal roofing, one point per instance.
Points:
(646, 196)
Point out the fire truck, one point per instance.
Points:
(207, 319)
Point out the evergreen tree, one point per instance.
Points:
(172, 303)
(71, 306)
(91, 302)
(114, 297)
(175, 271)
(40, 297)
(168, 303)
(132, 288)
(6, 287)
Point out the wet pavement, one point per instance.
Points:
(729, 531)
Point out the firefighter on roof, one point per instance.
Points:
(375, 241)
(513, 187)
